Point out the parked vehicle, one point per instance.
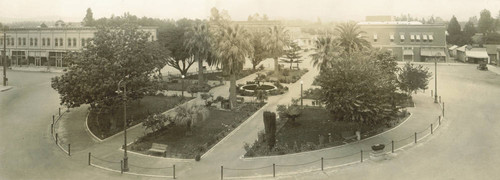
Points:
(482, 66)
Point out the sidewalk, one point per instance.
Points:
(494, 69)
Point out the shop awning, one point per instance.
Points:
(375, 36)
(412, 37)
(392, 36)
(432, 52)
(424, 37)
(477, 54)
(408, 52)
(431, 37)
(402, 37)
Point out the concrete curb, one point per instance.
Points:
(6, 88)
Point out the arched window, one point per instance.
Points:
(31, 41)
(36, 41)
(48, 41)
(74, 42)
(12, 42)
(43, 41)
(56, 42)
(83, 42)
(24, 41)
(69, 42)
(61, 42)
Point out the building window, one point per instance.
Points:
(424, 38)
(31, 41)
(375, 38)
(412, 38)
(61, 42)
(69, 42)
(392, 37)
(74, 42)
(18, 41)
(1, 41)
(36, 41)
(12, 42)
(43, 41)
(431, 38)
(8, 42)
(402, 37)
(417, 37)
(56, 42)
(48, 41)
(24, 41)
(83, 42)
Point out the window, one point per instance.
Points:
(31, 41)
(431, 38)
(69, 42)
(24, 41)
(402, 37)
(417, 37)
(424, 38)
(412, 38)
(43, 41)
(36, 41)
(12, 42)
(392, 37)
(56, 42)
(375, 38)
(1, 41)
(18, 41)
(8, 42)
(83, 42)
(61, 42)
(74, 42)
(48, 41)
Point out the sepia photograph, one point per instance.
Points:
(249, 89)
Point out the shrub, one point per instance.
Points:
(197, 158)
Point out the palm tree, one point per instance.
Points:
(325, 52)
(350, 37)
(275, 42)
(232, 48)
(199, 46)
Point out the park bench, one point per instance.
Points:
(161, 148)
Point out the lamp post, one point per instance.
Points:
(435, 79)
(182, 86)
(301, 86)
(125, 158)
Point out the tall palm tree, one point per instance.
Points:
(325, 52)
(275, 42)
(350, 37)
(232, 48)
(199, 45)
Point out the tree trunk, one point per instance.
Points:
(276, 66)
(254, 66)
(232, 90)
(200, 70)
(291, 63)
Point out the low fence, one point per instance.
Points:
(273, 170)
(118, 166)
(64, 146)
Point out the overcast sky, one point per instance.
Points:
(327, 10)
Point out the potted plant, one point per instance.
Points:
(378, 147)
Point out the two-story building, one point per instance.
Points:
(409, 41)
(46, 46)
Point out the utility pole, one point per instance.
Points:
(4, 57)
(435, 79)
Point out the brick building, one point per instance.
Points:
(409, 41)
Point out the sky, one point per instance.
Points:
(326, 10)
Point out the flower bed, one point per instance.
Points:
(205, 134)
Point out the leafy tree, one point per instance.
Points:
(291, 112)
(261, 96)
(189, 115)
(486, 22)
(350, 38)
(173, 40)
(115, 54)
(357, 89)
(275, 43)
(199, 46)
(454, 30)
(413, 78)
(469, 29)
(292, 54)
(259, 50)
(325, 52)
(232, 48)
(89, 18)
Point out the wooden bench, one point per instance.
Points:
(161, 148)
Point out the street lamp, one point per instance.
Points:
(125, 158)
(183, 85)
(435, 79)
(301, 85)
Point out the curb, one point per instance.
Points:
(6, 89)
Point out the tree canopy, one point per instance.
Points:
(89, 18)
(412, 78)
(114, 54)
(292, 54)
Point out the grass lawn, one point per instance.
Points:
(215, 76)
(205, 134)
(287, 75)
(314, 122)
(110, 123)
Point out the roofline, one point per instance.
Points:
(65, 28)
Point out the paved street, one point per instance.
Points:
(465, 147)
